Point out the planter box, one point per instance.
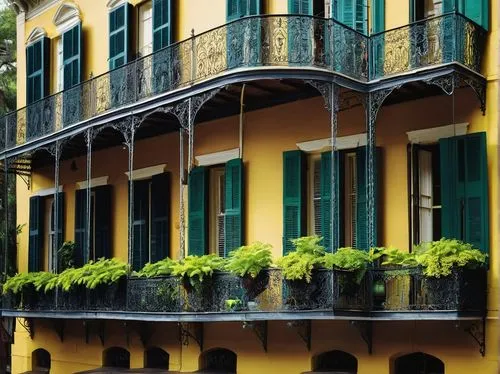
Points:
(11, 301)
(159, 294)
(351, 293)
(318, 294)
(110, 297)
(74, 299)
(392, 288)
(211, 295)
(463, 291)
(264, 292)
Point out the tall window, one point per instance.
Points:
(449, 190)
(348, 198)
(216, 208)
(145, 46)
(426, 8)
(425, 193)
(151, 220)
(100, 224)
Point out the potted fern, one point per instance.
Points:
(308, 283)
(196, 274)
(351, 281)
(31, 290)
(105, 281)
(154, 289)
(447, 274)
(251, 264)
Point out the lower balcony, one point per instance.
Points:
(381, 294)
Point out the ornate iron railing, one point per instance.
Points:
(253, 42)
(435, 41)
(377, 292)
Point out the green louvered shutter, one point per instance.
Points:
(448, 6)
(233, 218)
(361, 229)
(361, 237)
(160, 213)
(72, 56)
(378, 16)
(255, 7)
(102, 234)
(198, 211)
(60, 219)
(119, 39)
(233, 10)
(476, 10)
(464, 189)
(37, 70)
(36, 231)
(162, 19)
(140, 248)
(300, 7)
(351, 13)
(339, 191)
(294, 197)
(80, 227)
(326, 200)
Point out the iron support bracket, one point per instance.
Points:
(477, 330)
(365, 329)
(29, 326)
(58, 325)
(304, 331)
(260, 330)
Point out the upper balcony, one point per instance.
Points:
(259, 47)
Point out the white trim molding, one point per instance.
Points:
(41, 7)
(146, 173)
(115, 3)
(47, 191)
(94, 182)
(217, 158)
(432, 135)
(35, 35)
(67, 16)
(343, 142)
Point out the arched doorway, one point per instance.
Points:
(335, 362)
(40, 360)
(116, 357)
(418, 363)
(218, 359)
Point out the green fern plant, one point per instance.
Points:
(249, 260)
(196, 268)
(93, 274)
(439, 258)
(157, 269)
(41, 281)
(308, 255)
(66, 255)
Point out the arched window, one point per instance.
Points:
(156, 358)
(418, 363)
(218, 359)
(116, 357)
(40, 360)
(335, 362)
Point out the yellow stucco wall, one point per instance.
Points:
(267, 133)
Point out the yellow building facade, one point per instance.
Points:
(113, 101)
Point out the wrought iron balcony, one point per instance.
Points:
(253, 43)
(381, 294)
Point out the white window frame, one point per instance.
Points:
(216, 178)
(60, 65)
(423, 137)
(145, 28)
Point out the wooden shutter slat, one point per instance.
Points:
(60, 220)
(326, 200)
(140, 248)
(160, 214)
(102, 224)
(198, 211)
(294, 197)
(233, 219)
(80, 227)
(72, 56)
(36, 230)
